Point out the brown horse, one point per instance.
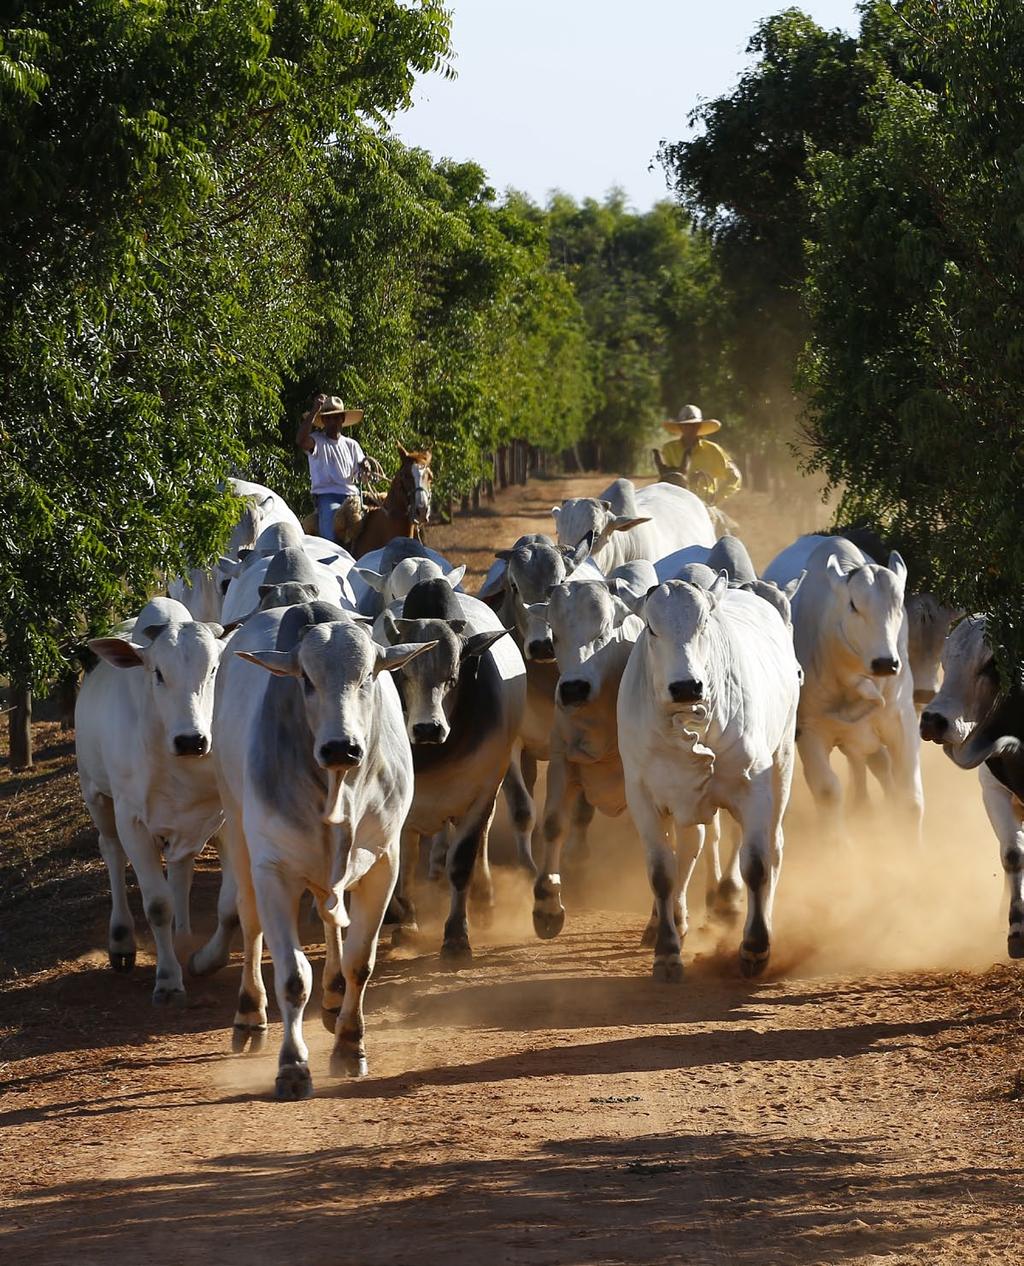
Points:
(405, 508)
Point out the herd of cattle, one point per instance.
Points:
(319, 719)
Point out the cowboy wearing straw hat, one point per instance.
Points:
(706, 467)
(337, 463)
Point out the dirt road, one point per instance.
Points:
(552, 1104)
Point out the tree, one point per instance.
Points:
(158, 159)
(916, 291)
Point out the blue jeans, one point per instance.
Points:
(326, 504)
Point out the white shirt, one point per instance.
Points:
(334, 464)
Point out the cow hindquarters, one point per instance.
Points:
(1007, 818)
(369, 900)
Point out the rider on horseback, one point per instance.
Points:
(693, 461)
(337, 466)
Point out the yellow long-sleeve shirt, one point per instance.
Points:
(708, 459)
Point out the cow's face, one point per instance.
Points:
(583, 618)
(869, 606)
(677, 616)
(180, 662)
(970, 684)
(335, 665)
(429, 683)
(579, 517)
(534, 568)
(928, 623)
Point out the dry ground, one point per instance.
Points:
(551, 1104)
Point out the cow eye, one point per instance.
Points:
(158, 675)
(307, 685)
(852, 607)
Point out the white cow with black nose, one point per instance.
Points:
(316, 779)
(974, 733)
(143, 737)
(850, 633)
(707, 715)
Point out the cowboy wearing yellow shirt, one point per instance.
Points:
(704, 467)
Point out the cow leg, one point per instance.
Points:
(761, 856)
(724, 882)
(216, 952)
(563, 788)
(369, 901)
(277, 897)
(1005, 814)
(469, 834)
(121, 936)
(401, 909)
(437, 861)
(581, 815)
(144, 852)
(902, 741)
(822, 782)
(249, 1029)
(858, 784)
(655, 829)
(518, 790)
(179, 877)
(333, 982)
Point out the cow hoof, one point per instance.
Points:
(164, 997)
(329, 1016)
(1015, 945)
(121, 960)
(293, 1082)
(248, 1037)
(348, 1064)
(548, 925)
(456, 954)
(648, 937)
(753, 964)
(668, 971)
(405, 934)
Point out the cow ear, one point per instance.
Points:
(454, 577)
(574, 556)
(372, 578)
(718, 589)
(605, 505)
(555, 512)
(392, 657)
(834, 571)
(623, 522)
(266, 501)
(229, 567)
(790, 589)
(478, 643)
(280, 663)
(118, 652)
(216, 629)
(505, 555)
(391, 630)
(406, 628)
(457, 626)
(152, 631)
(897, 565)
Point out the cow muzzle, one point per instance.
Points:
(428, 733)
(573, 693)
(688, 690)
(340, 754)
(933, 727)
(191, 744)
(885, 666)
(540, 650)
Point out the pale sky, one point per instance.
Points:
(577, 94)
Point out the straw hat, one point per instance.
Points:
(690, 416)
(334, 406)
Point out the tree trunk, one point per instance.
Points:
(489, 489)
(464, 504)
(502, 467)
(20, 726)
(476, 495)
(65, 693)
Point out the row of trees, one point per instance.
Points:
(205, 220)
(865, 199)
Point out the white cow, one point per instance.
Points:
(850, 632)
(143, 740)
(928, 620)
(326, 578)
(201, 590)
(316, 779)
(383, 561)
(661, 519)
(963, 719)
(707, 714)
(394, 587)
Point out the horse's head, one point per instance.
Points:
(416, 479)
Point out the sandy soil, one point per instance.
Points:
(550, 1104)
